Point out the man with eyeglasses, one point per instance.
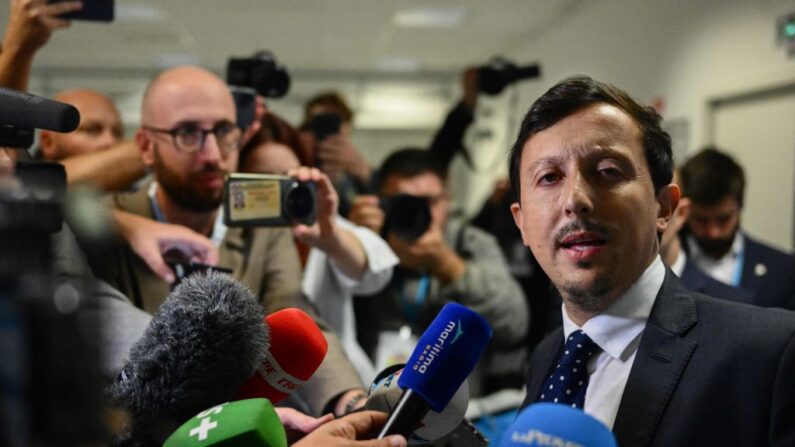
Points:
(450, 261)
(190, 140)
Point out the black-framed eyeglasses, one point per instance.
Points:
(190, 138)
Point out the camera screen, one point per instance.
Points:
(254, 199)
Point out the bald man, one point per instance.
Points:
(189, 139)
(100, 126)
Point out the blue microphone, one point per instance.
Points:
(445, 355)
(545, 424)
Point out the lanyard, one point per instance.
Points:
(412, 308)
(739, 261)
(219, 228)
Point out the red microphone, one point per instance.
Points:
(297, 348)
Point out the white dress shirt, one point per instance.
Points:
(617, 330)
(332, 291)
(678, 266)
(724, 269)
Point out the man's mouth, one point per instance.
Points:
(582, 245)
(211, 178)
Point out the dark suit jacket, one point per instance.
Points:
(708, 372)
(696, 280)
(770, 274)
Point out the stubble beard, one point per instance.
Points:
(181, 193)
(593, 298)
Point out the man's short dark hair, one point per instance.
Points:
(710, 176)
(577, 92)
(409, 162)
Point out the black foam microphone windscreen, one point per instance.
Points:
(23, 110)
(204, 342)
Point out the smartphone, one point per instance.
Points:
(93, 10)
(325, 124)
(264, 200)
(245, 105)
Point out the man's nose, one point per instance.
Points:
(210, 152)
(578, 196)
(714, 230)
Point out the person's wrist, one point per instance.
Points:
(330, 240)
(449, 267)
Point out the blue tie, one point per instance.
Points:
(566, 385)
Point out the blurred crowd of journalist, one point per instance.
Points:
(151, 293)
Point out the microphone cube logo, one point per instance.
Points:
(430, 352)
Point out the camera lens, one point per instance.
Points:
(407, 216)
(300, 203)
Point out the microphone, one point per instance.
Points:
(19, 109)
(384, 395)
(297, 348)
(244, 423)
(445, 355)
(544, 424)
(202, 344)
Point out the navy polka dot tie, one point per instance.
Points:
(566, 385)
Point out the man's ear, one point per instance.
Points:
(518, 219)
(147, 147)
(667, 202)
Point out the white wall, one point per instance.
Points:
(681, 54)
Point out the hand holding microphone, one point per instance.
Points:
(445, 355)
(255, 423)
(201, 349)
(244, 423)
(385, 393)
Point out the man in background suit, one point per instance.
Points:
(715, 184)
(691, 275)
(657, 363)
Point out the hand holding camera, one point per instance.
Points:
(322, 233)
(31, 23)
(366, 211)
(430, 253)
(336, 154)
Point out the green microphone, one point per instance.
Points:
(249, 423)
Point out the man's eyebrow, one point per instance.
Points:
(198, 124)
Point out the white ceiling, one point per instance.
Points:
(348, 45)
(307, 35)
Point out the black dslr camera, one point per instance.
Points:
(257, 200)
(500, 73)
(262, 72)
(407, 217)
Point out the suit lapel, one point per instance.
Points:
(541, 363)
(552, 355)
(662, 357)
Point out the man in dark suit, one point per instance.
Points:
(659, 364)
(715, 184)
(691, 275)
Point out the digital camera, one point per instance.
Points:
(500, 73)
(256, 200)
(407, 217)
(262, 72)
